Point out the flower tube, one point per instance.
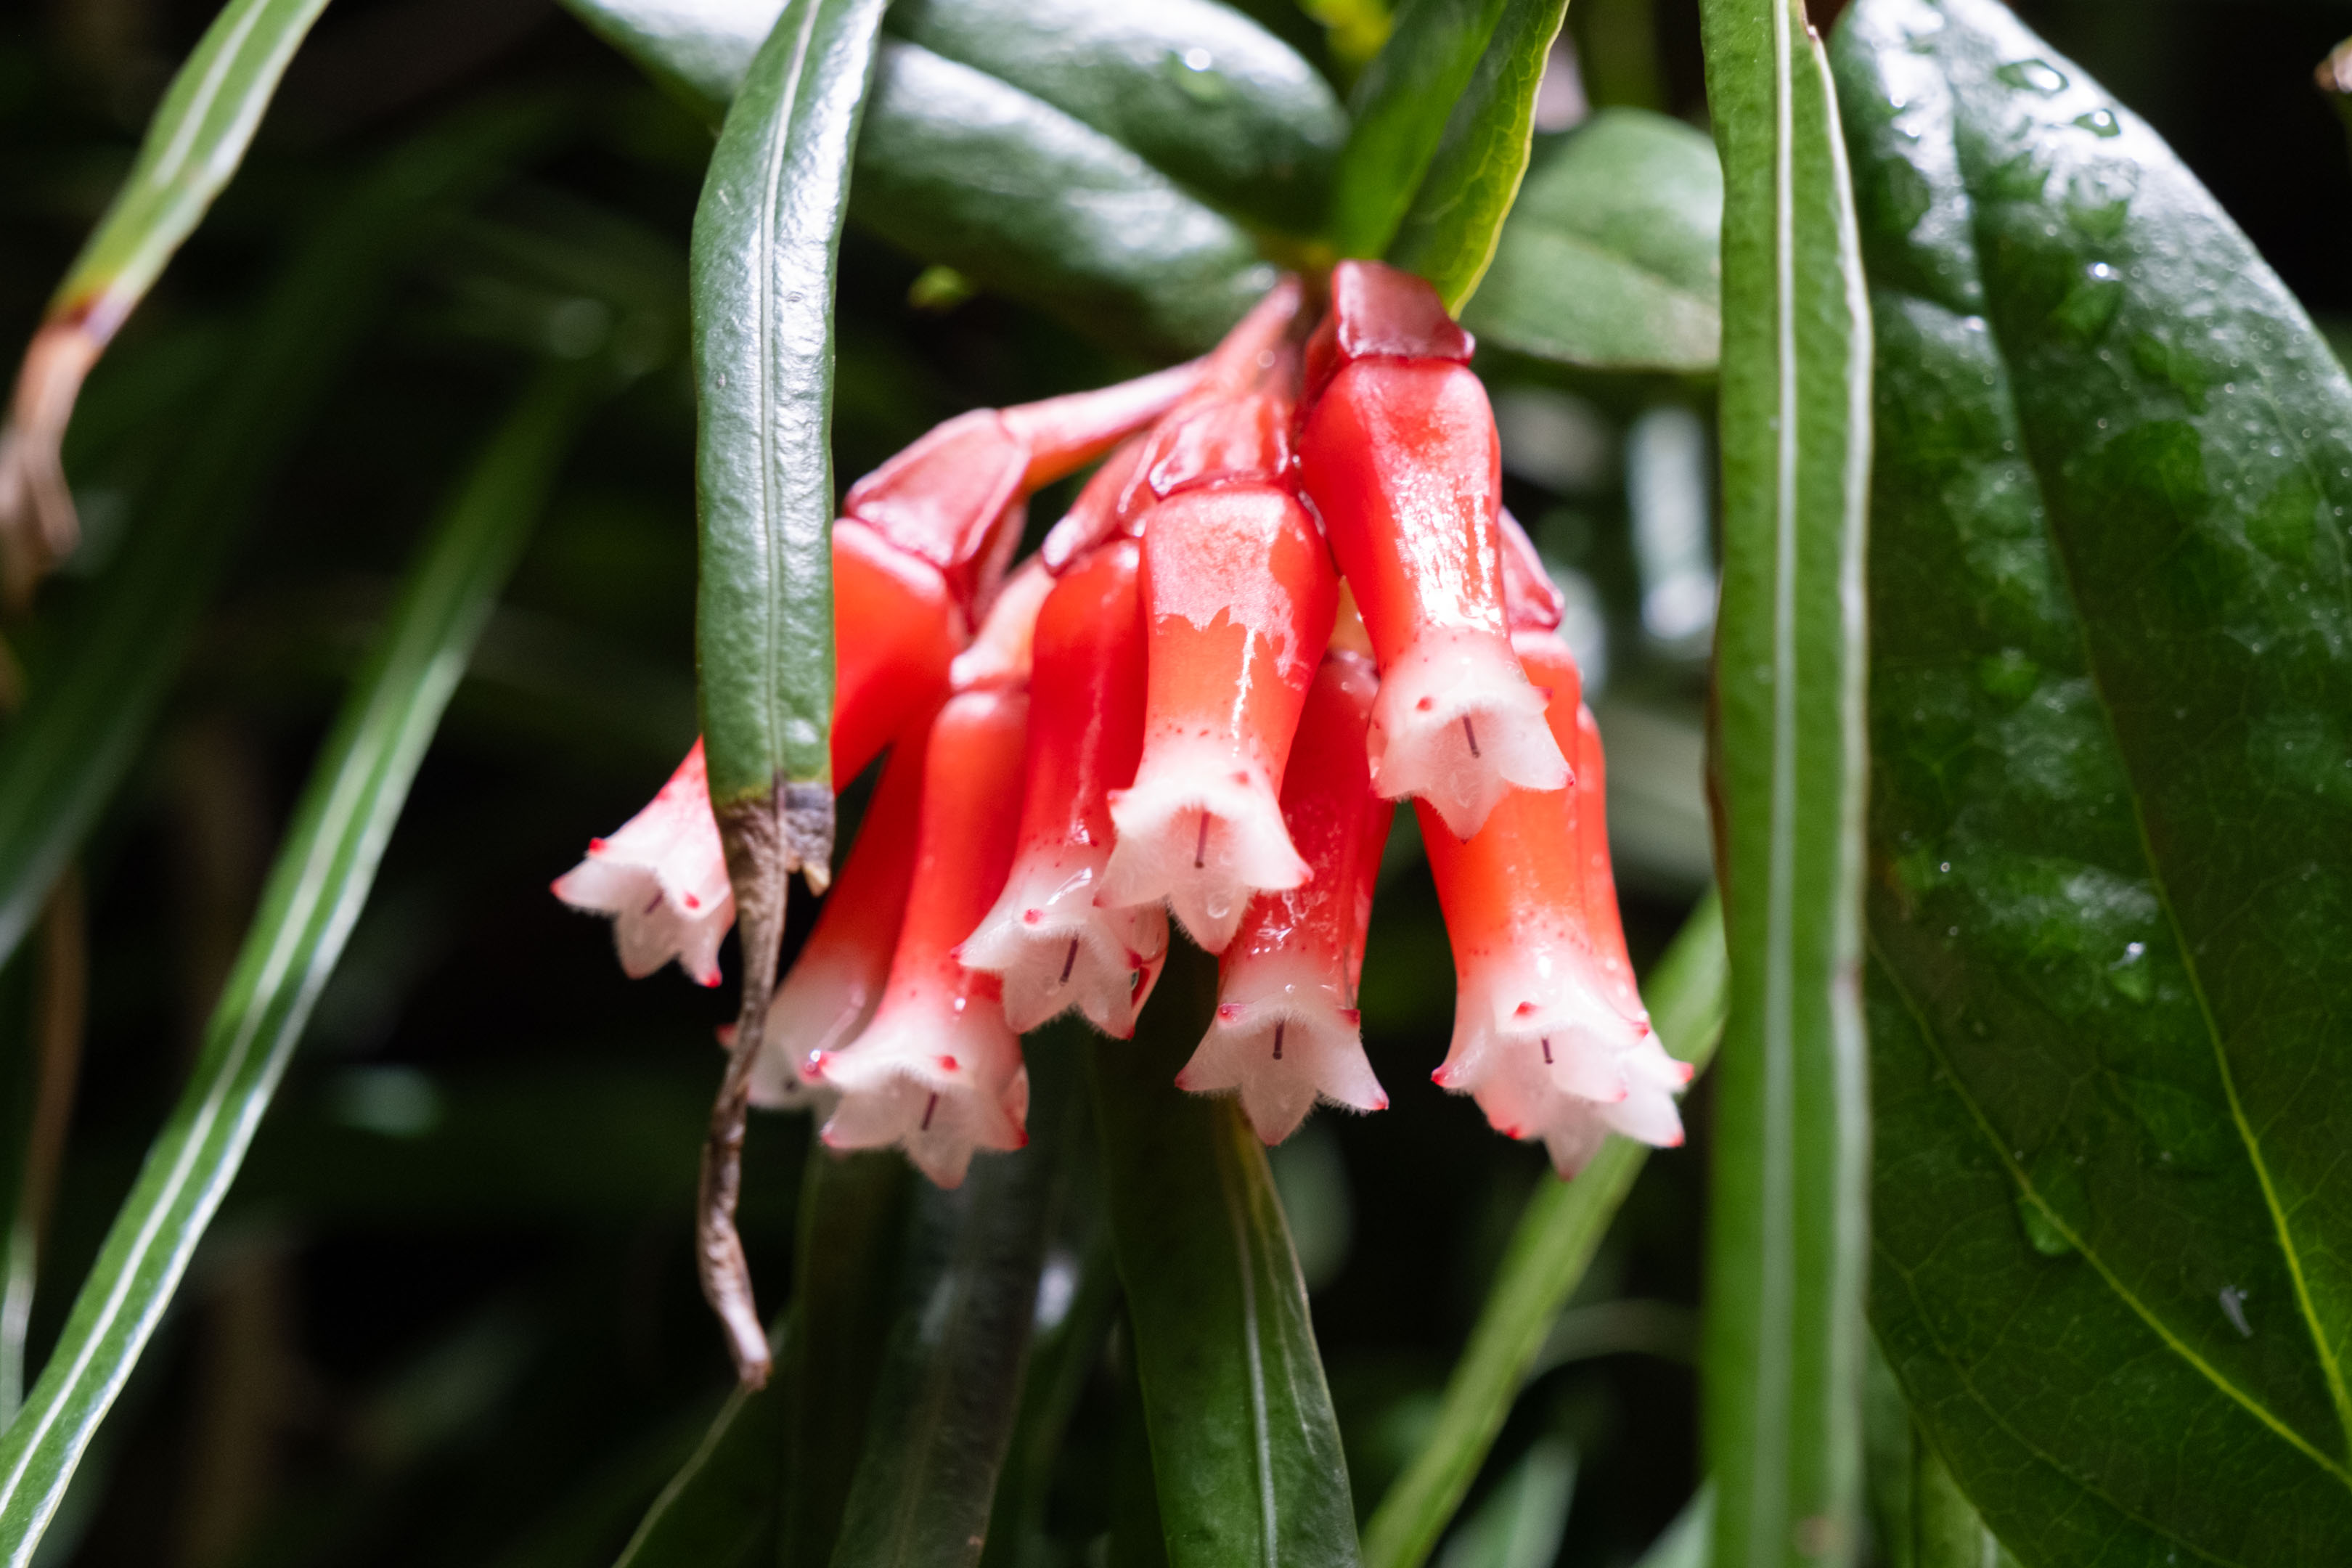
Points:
(937, 1072)
(662, 876)
(1399, 454)
(1239, 598)
(1285, 1030)
(1052, 943)
(1550, 1034)
(836, 981)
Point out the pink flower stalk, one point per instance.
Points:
(938, 1072)
(836, 983)
(1239, 596)
(1399, 454)
(954, 497)
(1053, 944)
(1001, 654)
(1550, 1034)
(1287, 1030)
(663, 877)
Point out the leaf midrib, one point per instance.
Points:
(2057, 1222)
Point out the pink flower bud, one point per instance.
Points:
(1399, 455)
(1285, 1030)
(1550, 1034)
(1053, 944)
(937, 1072)
(1239, 596)
(663, 878)
(836, 983)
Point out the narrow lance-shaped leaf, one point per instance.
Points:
(2109, 957)
(1402, 106)
(1787, 1230)
(315, 891)
(964, 168)
(193, 145)
(1244, 1445)
(1612, 258)
(766, 235)
(1557, 1235)
(719, 1510)
(62, 759)
(944, 1408)
(1448, 233)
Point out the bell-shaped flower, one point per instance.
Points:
(1054, 947)
(836, 983)
(663, 878)
(1399, 454)
(1550, 1034)
(1239, 597)
(1285, 1031)
(897, 630)
(937, 1072)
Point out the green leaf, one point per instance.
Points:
(64, 756)
(1689, 1541)
(321, 879)
(1194, 88)
(1558, 1233)
(1402, 107)
(719, 1510)
(767, 238)
(1782, 1374)
(1919, 1517)
(2108, 952)
(1244, 1448)
(944, 1409)
(1059, 1367)
(846, 1254)
(966, 170)
(195, 142)
(963, 169)
(1611, 258)
(1448, 233)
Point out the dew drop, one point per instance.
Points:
(2035, 76)
(2100, 122)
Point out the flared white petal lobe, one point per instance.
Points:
(663, 878)
(1458, 725)
(1285, 1038)
(940, 1088)
(1203, 833)
(1055, 948)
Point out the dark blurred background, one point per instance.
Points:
(449, 1313)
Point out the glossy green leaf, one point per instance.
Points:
(1244, 1448)
(64, 756)
(195, 142)
(1065, 1356)
(1194, 88)
(767, 238)
(321, 879)
(1782, 1374)
(846, 1257)
(2108, 967)
(1449, 232)
(1559, 1230)
(719, 1510)
(1612, 258)
(945, 1405)
(1401, 107)
(965, 169)
(1689, 1541)
(1919, 1517)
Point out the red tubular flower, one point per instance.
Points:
(836, 981)
(1052, 943)
(1287, 1030)
(1240, 596)
(663, 877)
(1550, 1034)
(937, 1072)
(895, 629)
(1399, 454)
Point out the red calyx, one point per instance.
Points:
(1377, 312)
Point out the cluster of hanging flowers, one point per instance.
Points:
(1287, 598)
